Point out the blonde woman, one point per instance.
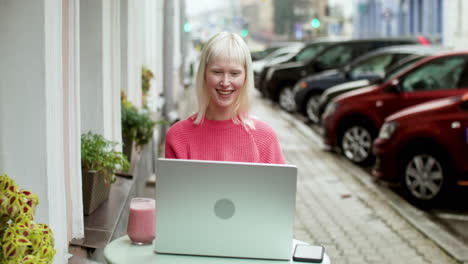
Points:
(222, 128)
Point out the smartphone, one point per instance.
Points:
(308, 253)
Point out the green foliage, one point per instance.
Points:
(146, 76)
(137, 125)
(99, 154)
(22, 240)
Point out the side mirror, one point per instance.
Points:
(393, 86)
(464, 102)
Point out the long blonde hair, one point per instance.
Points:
(233, 48)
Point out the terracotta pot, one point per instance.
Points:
(95, 191)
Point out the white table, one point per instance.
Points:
(122, 251)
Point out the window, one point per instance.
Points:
(335, 56)
(375, 64)
(436, 75)
(310, 51)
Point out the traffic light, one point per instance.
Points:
(244, 32)
(315, 23)
(187, 27)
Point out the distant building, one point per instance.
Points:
(390, 18)
(442, 21)
(283, 20)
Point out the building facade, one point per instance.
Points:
(442, 21)
(399, 18)
(64, 64)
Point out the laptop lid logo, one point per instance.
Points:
(224, 208)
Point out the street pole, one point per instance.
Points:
(168, 59)
(183, 42)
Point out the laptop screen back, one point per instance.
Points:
(226, 209)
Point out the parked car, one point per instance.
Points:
(279, 80)
(328, 95)
(370, 66)
(272, 47)
(278, 56)
(424, 148)
(352, 120)
(309, 51)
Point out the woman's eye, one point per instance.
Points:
(235, 74)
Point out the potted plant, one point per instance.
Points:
(22, 240)
(146, 77)
(137, 126)
(99, 161)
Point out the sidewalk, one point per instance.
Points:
(352, 222)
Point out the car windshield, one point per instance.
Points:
(258, 55)
(310, 51)
(396, 70)
(375, 64)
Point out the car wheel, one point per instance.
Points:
(286, 99)
(356, 143)
(312, 108)
(425, 175)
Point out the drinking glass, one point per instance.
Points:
(141, 221)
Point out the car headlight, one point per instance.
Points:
(299, 86)
(387, 130)
(269, 74)
(330, 109)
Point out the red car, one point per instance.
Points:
(425, 148)
(352, 120)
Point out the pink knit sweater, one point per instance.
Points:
(223, 141)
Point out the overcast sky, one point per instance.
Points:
(196, 6)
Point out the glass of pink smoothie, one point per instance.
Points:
(141, 221)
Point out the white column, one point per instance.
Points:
(455, 30)
(100, 68)
(31, 101)
(56, 197)
(71, 119)
(135, 45)
(124, 45)
(159, 74)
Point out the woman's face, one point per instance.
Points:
(224, 80)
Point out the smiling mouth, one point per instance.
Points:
(225, 92)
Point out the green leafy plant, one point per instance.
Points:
(146, 76)
(99, 154)
(22, 240)
(137, 124)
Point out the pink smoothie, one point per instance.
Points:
(141, 220)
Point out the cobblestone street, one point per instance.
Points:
(354, 223)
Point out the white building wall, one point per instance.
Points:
(135, 50)
(152, 58)
(100, 72)
(157, 83)
(455, 24)
(71, 118)
(178, 82)
(31, 113)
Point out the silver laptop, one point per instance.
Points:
(225, 209)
